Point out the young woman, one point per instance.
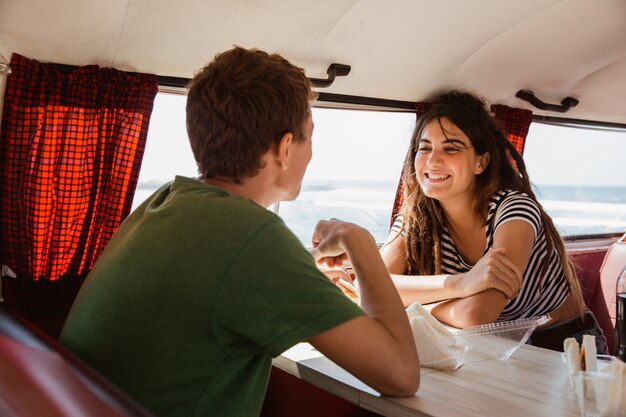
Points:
(472, 240)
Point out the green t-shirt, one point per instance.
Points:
(193, 296)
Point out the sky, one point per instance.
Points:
(371, 146)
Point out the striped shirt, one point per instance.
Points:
(539, 294)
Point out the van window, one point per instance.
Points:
(356, 165)
(579, 176)
(167, 151)
(354, 172)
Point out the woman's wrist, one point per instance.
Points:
(455, 283)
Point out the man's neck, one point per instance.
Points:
(252, 188)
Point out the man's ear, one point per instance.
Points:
(482, 163)
(283, 150)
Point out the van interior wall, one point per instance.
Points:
(587, 264)
(288, 395)
(45, 304)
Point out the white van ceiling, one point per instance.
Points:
(398, 49)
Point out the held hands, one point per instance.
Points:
(336, 274)
(493, 270)
(330, 240)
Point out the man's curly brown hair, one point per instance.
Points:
(239, 106)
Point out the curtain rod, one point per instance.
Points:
(181, 82)
(588, 124)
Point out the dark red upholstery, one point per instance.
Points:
(36, 382)
(588, 263)
(604, 297)
(38, 377)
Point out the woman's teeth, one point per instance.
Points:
(437, 177)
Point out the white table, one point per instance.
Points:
(531, 383)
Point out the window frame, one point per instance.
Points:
(177, 85)
(591, 125)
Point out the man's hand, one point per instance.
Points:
(329, 241)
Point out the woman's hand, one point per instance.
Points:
(335, 273)
(494, 270)
(343, 280)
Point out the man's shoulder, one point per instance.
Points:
(190, 196)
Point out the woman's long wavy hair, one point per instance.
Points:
(423, 217)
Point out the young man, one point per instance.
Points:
(201, 286)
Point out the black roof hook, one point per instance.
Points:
(566, 104)
(334, 70)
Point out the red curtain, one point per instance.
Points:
(71, 146)
(514, 122)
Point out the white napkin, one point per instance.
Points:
(435, 344)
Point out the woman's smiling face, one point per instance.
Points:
(446, 164)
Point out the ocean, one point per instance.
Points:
(575, 210)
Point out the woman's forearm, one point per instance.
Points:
(427, 288)
(484, 307)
